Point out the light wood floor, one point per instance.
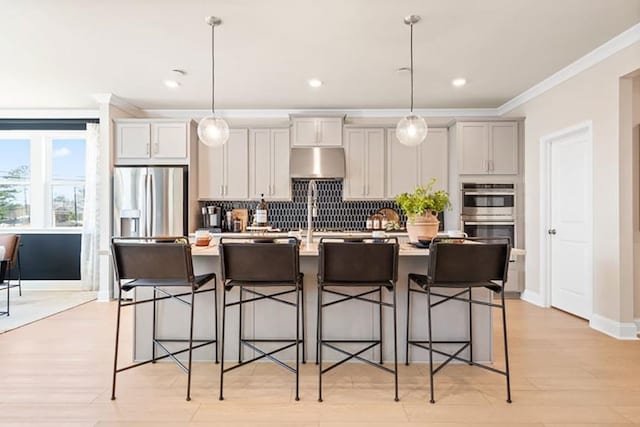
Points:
(57, 372)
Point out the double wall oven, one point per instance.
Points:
(489, 210)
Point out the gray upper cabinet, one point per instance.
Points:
(486, 148)
(316, 131)
(140, 141)
(269, 164)
(408, 167)
(365, 164)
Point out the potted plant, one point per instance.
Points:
(421, 208)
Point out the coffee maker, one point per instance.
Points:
(212, 218)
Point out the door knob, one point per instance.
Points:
(552, 231)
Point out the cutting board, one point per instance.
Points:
(243, 214)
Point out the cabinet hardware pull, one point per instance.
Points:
(552, 231)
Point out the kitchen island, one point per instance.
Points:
(344, 321)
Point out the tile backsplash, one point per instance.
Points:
(333, 212)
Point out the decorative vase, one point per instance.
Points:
(423, 227)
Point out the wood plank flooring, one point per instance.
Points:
(56, 372)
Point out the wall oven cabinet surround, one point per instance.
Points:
(365, 164)
(408, 167)
(488, 148)
(143, 141)
(224, 171)
(314, 131)
(269, 164)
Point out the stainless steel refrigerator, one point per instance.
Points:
(150, 201)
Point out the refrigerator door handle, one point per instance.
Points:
(148, 205)
(150, 211)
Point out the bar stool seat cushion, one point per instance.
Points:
(425, 282)
(200, 280)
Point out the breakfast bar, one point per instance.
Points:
(349, 320)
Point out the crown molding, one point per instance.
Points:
(119, 103)
(350, 112)
(599, 54)
(48, 113)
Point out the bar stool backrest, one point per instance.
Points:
(474, 261)
(259, 262)
(154, 259)
(11, 243)
(358, 262)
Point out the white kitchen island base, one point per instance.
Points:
(349, 320)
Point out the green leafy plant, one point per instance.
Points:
(422, 200)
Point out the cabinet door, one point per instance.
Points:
(260, 163)
(169, 140)
(355, 155)
(305, 132)
(210, 172)
(402, 166)
(375, 164)
(434, 159)
(236, 166)
(134, 141)
(473, 149)
(503, 137)
(281, 183)
(329, 131)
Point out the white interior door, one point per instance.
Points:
(569, 230)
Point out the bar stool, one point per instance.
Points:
(4, 284)
(262, 266)
(160, 263)
(11, 243)
(372, 265)
(462, 266)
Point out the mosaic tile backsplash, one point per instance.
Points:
(333, 212)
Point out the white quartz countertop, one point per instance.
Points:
(312, 250)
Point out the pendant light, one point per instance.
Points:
(411, 130)
(213, 130)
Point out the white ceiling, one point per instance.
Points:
(55, 54)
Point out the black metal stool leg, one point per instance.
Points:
(154, 327)
(406, 349)
(471, 329)
(432, 400)
(506, 348)
(319, 353)
(215, 314)
(115, 355)
(380, 322)
(19, 274)
(304, 345)
(395, 343)
(193, 295)
(224, 311)
(240, 328)
(298, 342)
(318, 328)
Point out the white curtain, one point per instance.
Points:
(89, 255)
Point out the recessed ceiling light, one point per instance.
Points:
(171, 84)
(459, 82)
(315, 83)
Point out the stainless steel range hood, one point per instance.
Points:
(317, 162)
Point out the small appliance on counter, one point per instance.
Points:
(212, 218)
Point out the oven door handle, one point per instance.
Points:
(488, 193)
(489, 223)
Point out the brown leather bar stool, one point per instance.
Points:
(262, 266)
(461, 266)
(369, 265)
(161, 263)
(11, 243)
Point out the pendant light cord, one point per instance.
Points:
(411, 48)
(213, 71)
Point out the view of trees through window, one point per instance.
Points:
(15, 164)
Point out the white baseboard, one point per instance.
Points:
(103, 295)
(532, 297)
(50, 285)
(619, 330)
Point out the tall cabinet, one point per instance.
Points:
(269, 164)
(224, 171)
(365, 163)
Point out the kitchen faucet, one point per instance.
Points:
(312, 208)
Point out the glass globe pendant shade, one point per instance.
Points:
(213, 131)
(411, 130)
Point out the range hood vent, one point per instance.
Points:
(317, 162)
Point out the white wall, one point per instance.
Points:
(591, 95)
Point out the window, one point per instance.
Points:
(42, 176)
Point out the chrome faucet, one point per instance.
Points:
(312, 209)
